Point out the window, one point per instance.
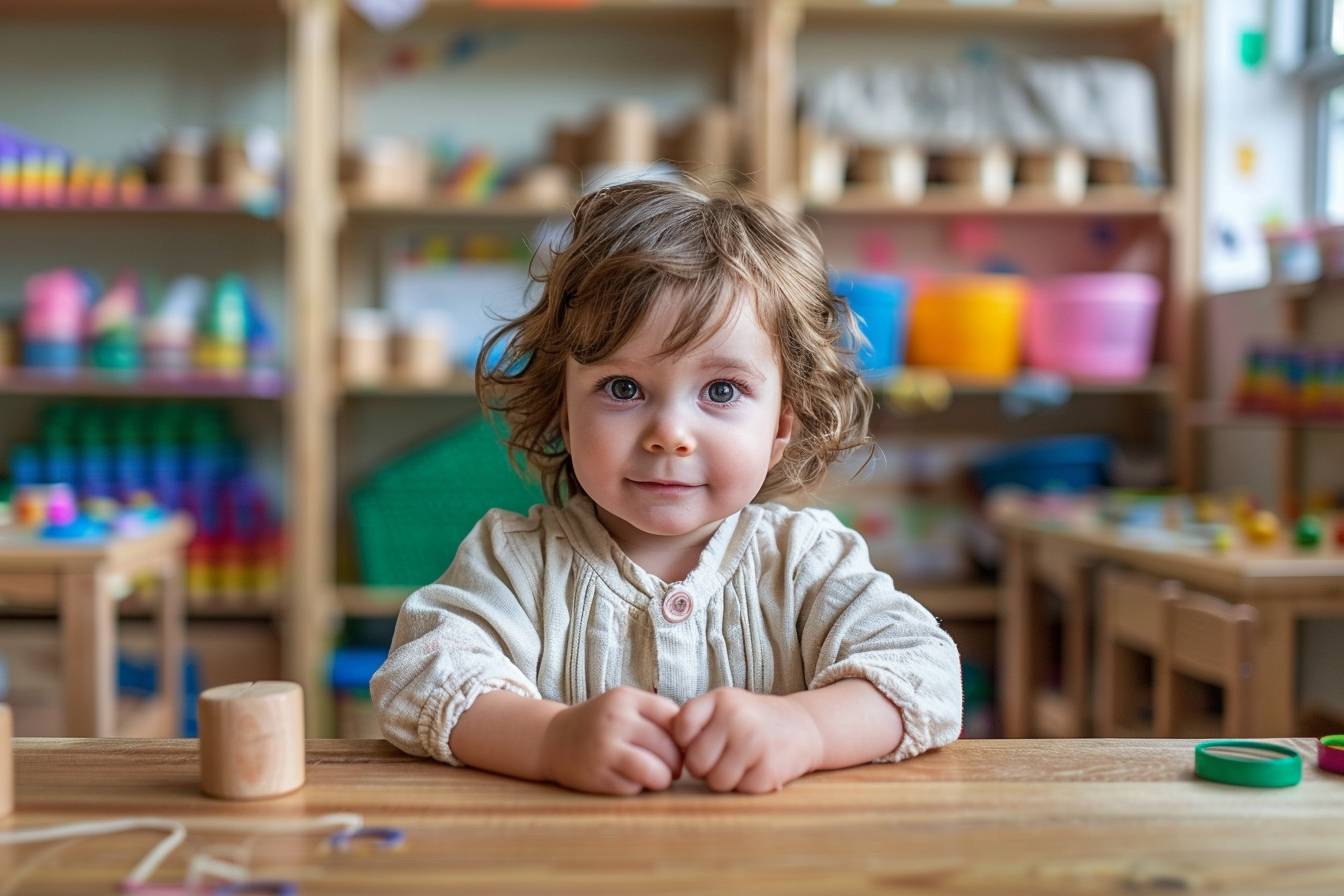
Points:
(1333, 150)
(1323, 73)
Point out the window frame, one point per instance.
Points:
(1322, 71)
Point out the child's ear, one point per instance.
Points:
(784, 434)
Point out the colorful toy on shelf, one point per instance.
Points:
(1293, 381)
(113, 326)
(1307, 532)
(1262, 528)
(55, 307)
(170, 332)
(222, 345)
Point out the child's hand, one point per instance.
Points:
(754, 743)
(619, 742)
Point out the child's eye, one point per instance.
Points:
(621, 388)
(723, 391)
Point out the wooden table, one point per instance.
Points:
(84, 581)
(1285, 585)
(977, 817)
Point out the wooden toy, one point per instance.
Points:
(1059, 173)
(1307, 532)
(985, 171)
(251, 740)
(821, 165)
(897, 171)
(1262, 528)
(624, 133)
(6, 761)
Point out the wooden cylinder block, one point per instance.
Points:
(6, 761)
(625, 133)
(251, 740)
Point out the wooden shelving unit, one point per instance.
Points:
(762, 84)
(104, 384)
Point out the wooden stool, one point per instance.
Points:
(1131, 622)
(1208, 640)
(251, 740)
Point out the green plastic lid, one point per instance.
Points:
(1248, 763)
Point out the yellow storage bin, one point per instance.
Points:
(969, 325)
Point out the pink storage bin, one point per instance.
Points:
(1093, 326)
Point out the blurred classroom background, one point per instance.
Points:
(249, 249)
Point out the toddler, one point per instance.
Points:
(684, 363)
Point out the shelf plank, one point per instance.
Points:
(163, 11)
(1033, 14)
(499, 209)
(260, 385)
(1102, 203)
(152, 206)
(1214, 416)
(371, 602)
(460, 384)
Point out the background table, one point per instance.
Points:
(1283, 584)
(977, 817)
(84, 581)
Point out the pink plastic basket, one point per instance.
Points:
(1093, 326)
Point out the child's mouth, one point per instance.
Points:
(662, 487)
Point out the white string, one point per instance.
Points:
(176, 832)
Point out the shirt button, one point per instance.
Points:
(677, 605)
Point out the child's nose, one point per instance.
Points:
(668, 434)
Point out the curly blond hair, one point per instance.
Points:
(632, 244)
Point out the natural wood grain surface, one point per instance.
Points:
(977, 817)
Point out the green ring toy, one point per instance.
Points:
(1243, 763)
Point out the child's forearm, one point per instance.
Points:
(503, 732)
(857, 723)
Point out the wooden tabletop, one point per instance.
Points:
(977, 817)
(1281, 562)
(21, 550)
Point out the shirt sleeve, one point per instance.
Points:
(854, 623)
(474, 630)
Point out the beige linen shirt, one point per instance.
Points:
(547, 605)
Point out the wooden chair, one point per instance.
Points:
(1131, 624)
(1063, 712)
(1207, 640)
(1189, 636)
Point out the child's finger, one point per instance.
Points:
(617, 784)
(659, 710)
(757, 778)
(705, 750)
(691, 720)
(653, 738)
(643, 768)
(731, 766)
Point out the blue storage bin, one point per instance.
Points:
(881, 302)
(1064, 464)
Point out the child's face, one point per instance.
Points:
(671, 445)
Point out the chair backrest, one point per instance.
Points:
(1210, 640)
(1134, 609)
